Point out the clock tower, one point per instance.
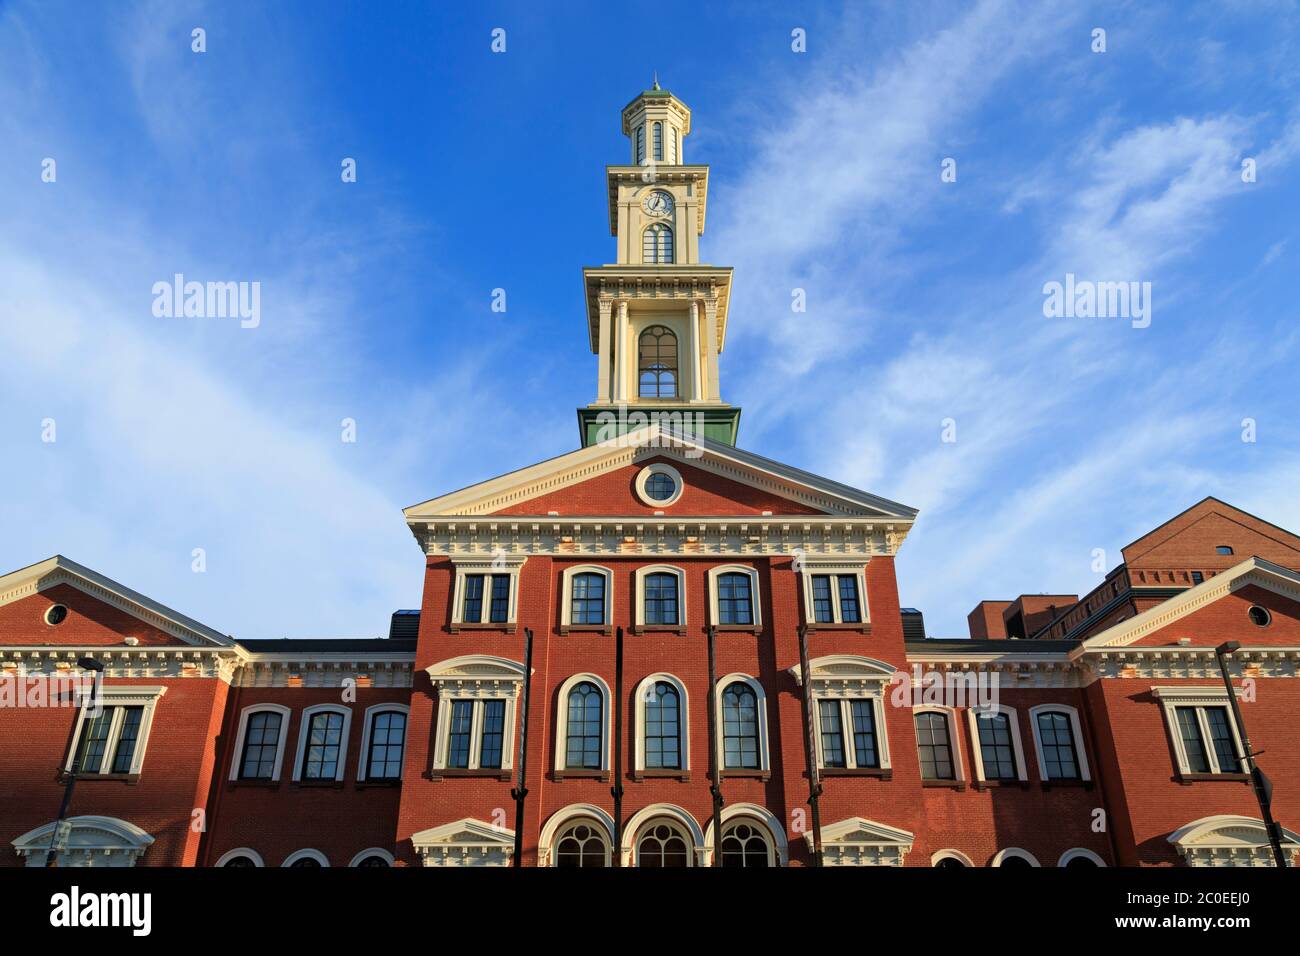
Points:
(657, 316)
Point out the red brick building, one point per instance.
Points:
(1064, 731)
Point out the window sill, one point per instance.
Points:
(601, 775)
(991, 784)
(439, 773)
(585, 629)
(379, 784)
(683, 775)
(1213, 778)
(127, 778)
(886, 774)
(764, 775)
(944, 784)
(860, 628)
(505, 627)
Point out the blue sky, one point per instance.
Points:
(479, 170)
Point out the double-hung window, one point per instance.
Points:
(488, 593)
(834, 596)
(1200, 723)
(849, 734)
(477, 734)
(112, 731)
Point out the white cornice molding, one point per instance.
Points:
(678, 282)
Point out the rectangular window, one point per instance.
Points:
(1225, 748)
(661, 599)
(849, 613)
(473, 610)
(494, 726)
(735, 599)
(94, 741)
(587, 599)
(1197, 577)
(1056, 737)
(821, 588)
(324, 742)
(1189, 729)
(126, 739)
(863, 713)
(832, 733)
(462, 721)
(500, 598)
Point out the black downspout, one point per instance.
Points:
(616, 791)
(810, 747)
(716, 787)
(520, 792)
(1263, 789)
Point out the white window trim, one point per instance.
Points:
(973, 715)
(834, 571)
(306, 854)
(941, 855)
(659, 467)
(566, 595)
(1084, 773)
(562, 721)
(641, 575)
(683, 722)
(238, 755)
(1015, 851)
(673, 815)
(366, 728)
(760, 698)
(304, 730)
(487, 566)
(372, 851)
(240, 851)
(755, 596)
(117, 696)
(846, 729)
(476, 678)
(560, 821)
(955, 744)
(1198, 697)
(1079, 851)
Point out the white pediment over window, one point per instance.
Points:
(861, 842)
(845, 667)
(466, 842)
(484, 672)
(1229, 841)
(91, 841)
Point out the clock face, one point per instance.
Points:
(658, 203)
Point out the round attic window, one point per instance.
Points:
(1259, 616)
(56, 614)
(659, 485)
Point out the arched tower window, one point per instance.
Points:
(657, 245)
(657, 362)
(659, 142)
(640, 144)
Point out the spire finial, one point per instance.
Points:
(656, 82)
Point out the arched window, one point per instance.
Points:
(662, 846)
(735, 599)
(1055, 738)
(582, 745)
(660, 596)
(657, 245)
(386, 745)
(676, 147)
(934, 747)
(582, 844)
(261, 742)
(996, 750)
(657, 362)
(640, 143)
(663, 743)
(659, 142)
(587, 604)
(322, 751)
(740, 742)
(745, 845)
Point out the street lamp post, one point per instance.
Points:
(1263, 787)
(89, 664)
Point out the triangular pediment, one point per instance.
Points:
(60, 571)
(468, 832)
(857, 841)
(1144, 628)
(806, 493)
